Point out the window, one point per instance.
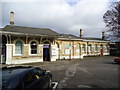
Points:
(83, 48)
(18, 47)
(77, 50)
(96, 48)
(33, 46)
(106, 47)
(38, 73)
(67, 51)
(90, 48)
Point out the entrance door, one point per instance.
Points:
(101, 49)
(46, 53)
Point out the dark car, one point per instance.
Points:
(117, 60)
(22, 77)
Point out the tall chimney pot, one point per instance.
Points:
(103, 35)
(11, 18)
(81, 33)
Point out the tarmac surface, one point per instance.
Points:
(90, 72)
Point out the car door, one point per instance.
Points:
(40, 78)
(27, 80)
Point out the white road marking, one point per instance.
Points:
(56, 83)
(69, 73)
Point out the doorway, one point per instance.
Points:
(46, 51)
(101, 49)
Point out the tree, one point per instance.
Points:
(112, 21)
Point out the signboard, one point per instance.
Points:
(67, 45)
(46, 46)
(53, 51)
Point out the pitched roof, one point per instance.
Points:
(30, 30)
(69, 36)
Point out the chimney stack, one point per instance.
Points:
(81, 33)
(103, 35)
(12, 18)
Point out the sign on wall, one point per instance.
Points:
(67, 45)
(46, 46)
(53, 51)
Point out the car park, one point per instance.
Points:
(25, 77)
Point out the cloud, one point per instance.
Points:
(58, 15)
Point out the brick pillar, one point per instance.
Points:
(26, 50)
(40, 51)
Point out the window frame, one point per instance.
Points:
(14, 48)
(106, 47)
(90, 48)
(83, 46)
(67, 51)
(96, 48)
(30, 48)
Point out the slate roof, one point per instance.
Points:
(29, 30)
(69, 36)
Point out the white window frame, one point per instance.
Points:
(89, 48)
(30, 48)
(83, 50)
(67, 51)
(14, 46)
(96, 48)
(106, 47)
(77, 50)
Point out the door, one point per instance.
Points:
(46, 53)
(101, 49)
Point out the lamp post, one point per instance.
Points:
(70, 47)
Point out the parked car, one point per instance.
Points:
(117, 60)
(22, 77)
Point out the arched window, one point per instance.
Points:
(18, 47)
(33, 46)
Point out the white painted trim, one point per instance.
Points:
(30, 48)
(26, 44)
(47, 41)
(23, 61)
(40, 45)
(14, 54)
(106, 53)
(9, 44)
(69, 39)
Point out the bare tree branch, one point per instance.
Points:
(112, 21)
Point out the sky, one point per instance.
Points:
(62, 16)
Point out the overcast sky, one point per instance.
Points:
(63, 16)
